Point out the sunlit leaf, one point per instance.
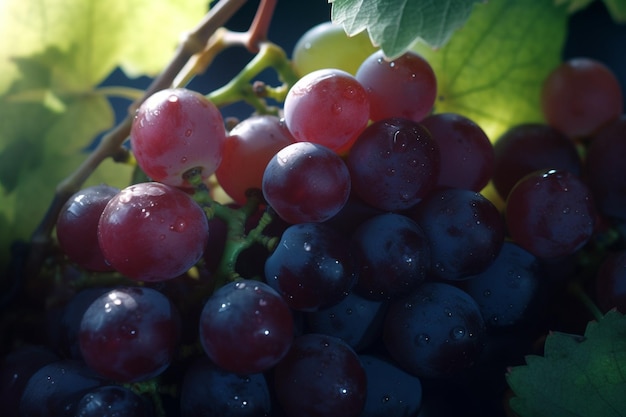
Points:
(577, 376)
(493, 69)
(395, 25)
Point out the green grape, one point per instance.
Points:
(327, 45)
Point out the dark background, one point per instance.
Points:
(592, 33)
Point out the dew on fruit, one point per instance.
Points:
(422, 339)
(457, 333)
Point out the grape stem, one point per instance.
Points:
(237, 240)
(197, 46)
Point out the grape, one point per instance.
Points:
(580, 96)
(326, 45)
(403, 87)
(435, 331)
(16, 368)
(509, 290)
(55, 389)
(550, 213)
(130, 334)
(175, 131)
(393, 255)
(465, 231)
(467, 156)
(528, 147)
(112, 401)
(321, 376)
(390, 390)
(306, 182)
(604, 167)
(152, 232)
(356, 320)
(210, 391)
(393, 164)
(247, 150)
(77, 226)
(312, 267)
(328, 107)
(71, 317)
(246, 327)
(610, 284)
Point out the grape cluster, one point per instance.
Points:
(380, 278)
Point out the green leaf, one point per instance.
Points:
(493, 69)
(139, 35)
(395, 25)
(577, 376)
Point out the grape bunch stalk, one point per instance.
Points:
(334, 254)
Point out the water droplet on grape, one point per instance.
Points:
(487, 293)
(337, 108)
(385, 399)
(307, 246)
(457, 333)
(188, 132)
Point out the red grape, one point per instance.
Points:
(467, 155)
(580, 96)
(248, 148)
(394, 164)
(306, 182)
(402, 87)
(77, 226)
(130, 334)
(550, 213)
(246, 327)
(328, 107)
(152, 232)
(174, 131)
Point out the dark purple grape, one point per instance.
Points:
(393, 164)
(55, 389)
(528, 147)
(605, 169)
(465, 231)
(312, 267)
(130, 334)
(71, 317)
(321, 376)
(610, 287)
(393, 255)
(16, 368)
(508, 291)
(356, 320)
(77, 226)
(246, 327)
(467, 155)
(434, 332)
(113, 401)
(390, 390)
(550, 213)
(208, 390)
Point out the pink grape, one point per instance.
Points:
(152, 232)
(248, 148)
(328, 107)
(174, 131)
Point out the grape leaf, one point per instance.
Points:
(395, 25)
(493, 69)
(577, 376)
